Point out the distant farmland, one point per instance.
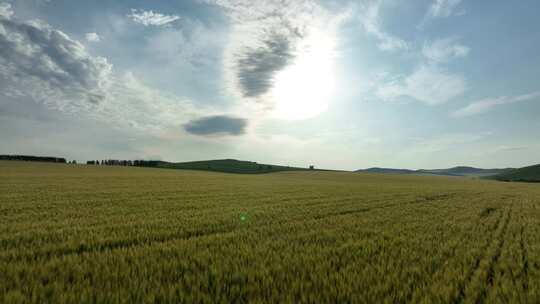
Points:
(79, 234)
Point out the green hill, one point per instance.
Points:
(526, 174)
(386, 171)
(224, 165)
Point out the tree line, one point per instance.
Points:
(47, 159)
(106, 162)
(116, 162)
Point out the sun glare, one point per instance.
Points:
(303, 90)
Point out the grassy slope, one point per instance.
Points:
(228, 166)
(386, 171)
(526, 174)
(79, 234)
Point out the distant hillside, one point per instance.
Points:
(222, 165)
(387, 171)
(465, 171)
(455, 171)
(526, 174)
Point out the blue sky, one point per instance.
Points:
(338, 84)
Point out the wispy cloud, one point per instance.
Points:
(428, 84)
(45, 65)
(148, 18)
(431, 82)
(485, 105)
(443, 50)
(92, 37)
(442, 9)
(40, 61)
(446, 142)
(445, 8)
(5, 10)
(133, 104)
(190, 45)
(370, 21)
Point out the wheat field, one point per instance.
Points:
(92, 234)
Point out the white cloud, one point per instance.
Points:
(5, 10)
(444, 142)
(443, 50)
(148, 18)
(45, 65)
(371, 23)
(190, 46)
(428, 84)
(40, 61)
(485, 105)
(444, 8)
(131, 103)
(92, 37)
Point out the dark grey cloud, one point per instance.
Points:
(257, 67)
(217, 125)
(264, 42)
(36, 59)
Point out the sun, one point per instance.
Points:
(304, 89)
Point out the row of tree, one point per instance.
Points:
(116, 162)
(110, 162)
(34, 158)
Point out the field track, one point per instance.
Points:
(81, 234)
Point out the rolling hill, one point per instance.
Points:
(455, 171)
(526, 174)
(387, 171)
(223, 165)
(465, 171)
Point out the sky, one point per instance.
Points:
(337, 84)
